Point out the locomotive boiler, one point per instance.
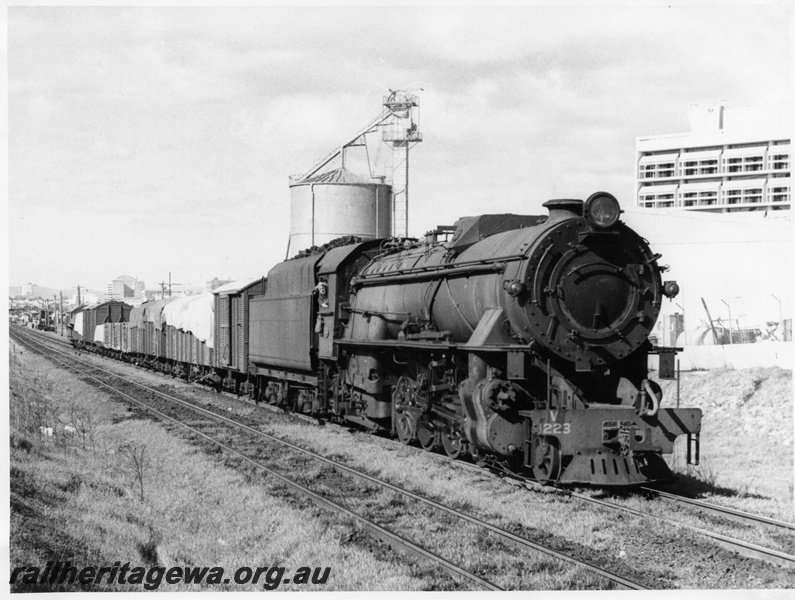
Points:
(522, 340)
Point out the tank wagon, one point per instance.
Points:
(519, 340)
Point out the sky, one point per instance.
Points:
(147, 141)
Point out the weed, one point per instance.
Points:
(83, 424)
(748, 488)
(137, 453)
(703, 473)
(74, 483)
(20, 443)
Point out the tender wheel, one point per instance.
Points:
(428, 438)
(405, 427)
(454, 446)
(546, 461)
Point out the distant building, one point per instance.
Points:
(123, 287)
(215, 283)
(86, 297)
(30, 289)
(733, 160)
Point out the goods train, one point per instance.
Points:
(521, 341)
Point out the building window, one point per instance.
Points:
(708, 167)
(780, 194)
(651, 199)
(657, 170)
(733, 196)
(744, 196)
(780, 162)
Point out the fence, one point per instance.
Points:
(734, 356)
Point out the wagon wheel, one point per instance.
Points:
(454, 446)
(546, 461)
(428, 437)
(405, 427)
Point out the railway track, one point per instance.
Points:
(324, 498)
(743, 548)
(720, 511)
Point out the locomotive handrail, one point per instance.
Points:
(379, 313)
(481, 261)
(452, 269)
(655, 400)
(429, 274)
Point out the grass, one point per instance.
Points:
(185, 516)
(82, 503)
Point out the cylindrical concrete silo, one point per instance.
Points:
(336, 204)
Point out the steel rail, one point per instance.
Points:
(506, 536)
(377, 531)
(723, 511)
(746, 549)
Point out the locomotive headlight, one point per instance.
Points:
(670, 289)
(602, 210)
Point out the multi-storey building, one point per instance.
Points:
(123, 287)
(733, 160)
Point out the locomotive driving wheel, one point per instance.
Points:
(546, 461)
(454, 446)
(428, 437)
(405, 427)
(403, 398)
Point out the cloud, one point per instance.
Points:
(185, 122)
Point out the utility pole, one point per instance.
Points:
(730, 318)
(61, 293)
(163, 287)
(711, 325)
(780, 317)
(684, 327)
(78, 295)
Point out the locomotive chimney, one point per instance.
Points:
(564, 208)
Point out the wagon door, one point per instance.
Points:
(238, 339)
(223, 346)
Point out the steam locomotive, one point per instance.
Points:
(521, 341)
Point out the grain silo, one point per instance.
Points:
(340, 202)
(335, 204)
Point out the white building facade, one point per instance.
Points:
(733, 160)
